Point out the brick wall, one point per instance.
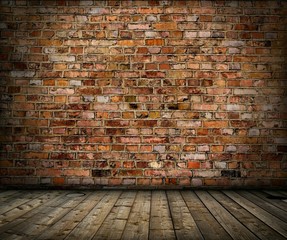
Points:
(143, 93)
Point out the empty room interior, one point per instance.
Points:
(143, 119)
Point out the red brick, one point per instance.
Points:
(144, 123)
(67, 156)
(156, 181)
(49, 172)
(89, 90)
(143, 181)
(6, 163)
(247, 27)
(59, 181)
(215, 124)
(205, 18)
(76, 172)
(171, 181)
(115, 94)
(46, 42)
(57, 123)
(155, 140)
(154, 42)
(130, 43)
(99, 139)
(129, 140)
(131, 173)
(151, 10)
(165, 26)
(35, 155)
(20, 172)
(115, 181)
(77, 50)
(193, 165)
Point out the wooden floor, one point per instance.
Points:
(156, 214)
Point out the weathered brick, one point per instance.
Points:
(130, 43)
(139, 26)
(35, 155)
(230, 173)
(101, 173)
(27, 74)
(204, 34)
(193, 165)
(61, 58)
(154, 42)
(77, 172)
(215, 124)
(154, 93)
(46, 42)
(193, 156)
(190, 124)
(165, 26)
(189, 34)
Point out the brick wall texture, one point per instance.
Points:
(143, 93)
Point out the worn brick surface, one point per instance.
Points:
(143, 93)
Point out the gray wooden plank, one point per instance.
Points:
(126, 199)
(52, 197)
(113, 226)
(184, 224)
(18, 199)
(208, 225)
(11, 236)
(235, 229)
(265, 205)
(276, 202)
(140, 215)
(284, 192)
(255, 225)
(64, 226)
(137, 226)
(20, 210)
(266, 217)
(89, 226)
(276, 193)
(13, 226)
(161, 225)
(39, 222)
(5, 194)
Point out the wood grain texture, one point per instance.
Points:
(145, 214)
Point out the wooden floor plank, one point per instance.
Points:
(157, 214)
(13, 226)
(283, 193)
(63, 227)
(266, 217)
(161, 226)
(260, 229)
(276, 202)
(264, 205)
(278, 194)
(184, 224)
(18, 199)
(275, 193)
(235, 229)
(5, 194)
(11, 236)
(137, 226)
(42, 220)
(19, 211)
(89, 226)
(113, 226)
(205, 221)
